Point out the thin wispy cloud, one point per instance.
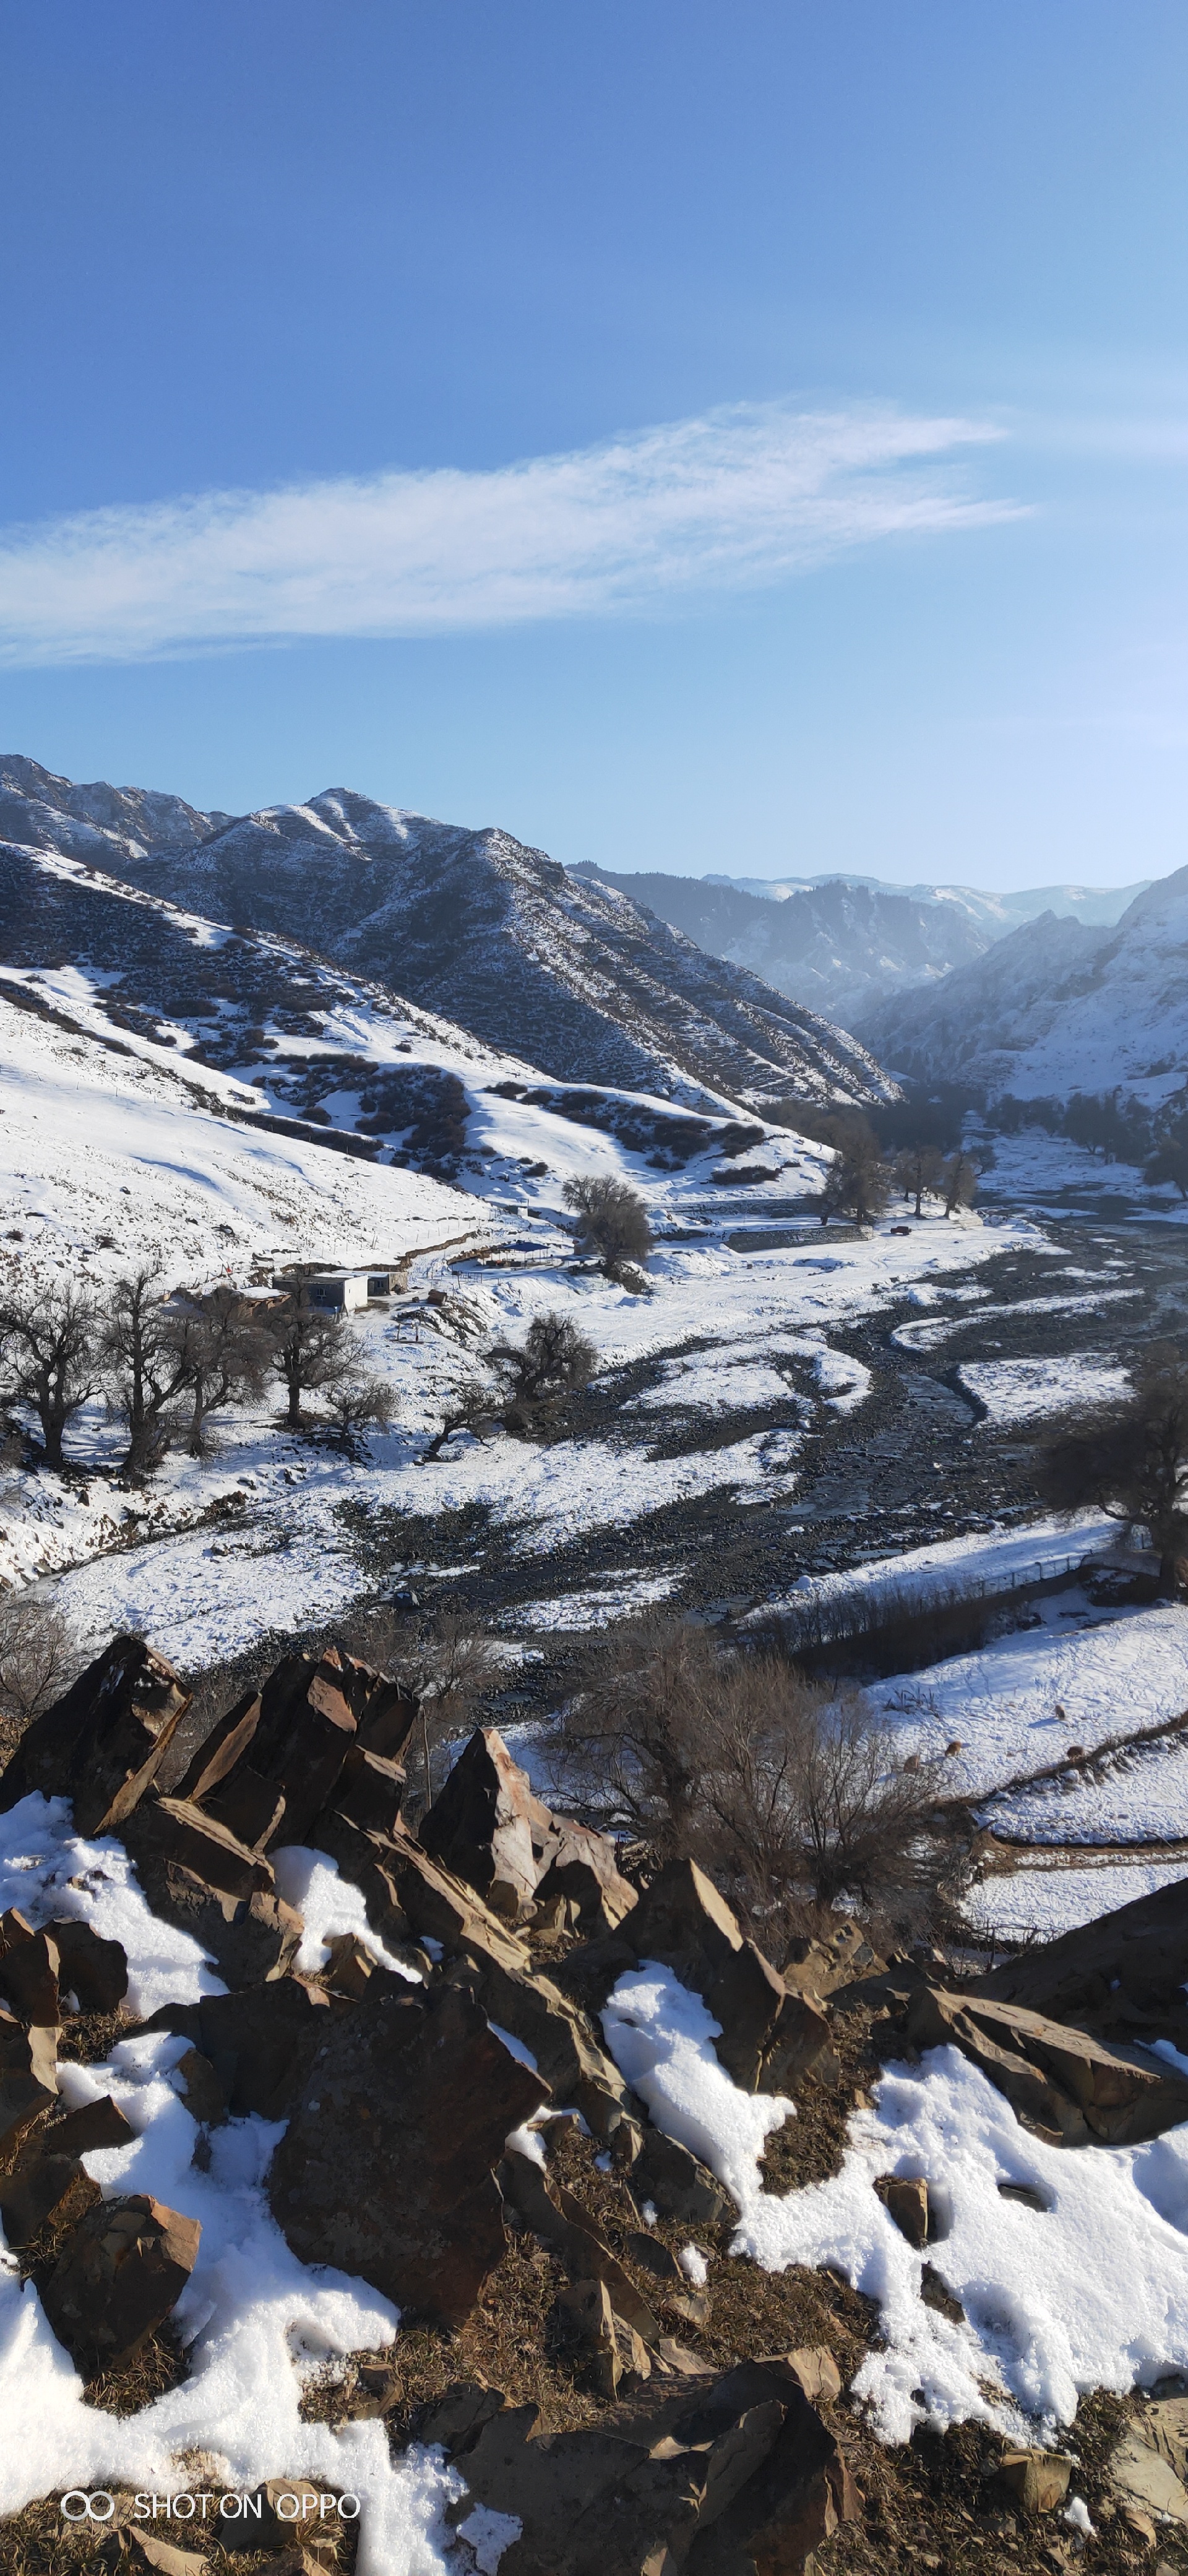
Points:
(740, 499)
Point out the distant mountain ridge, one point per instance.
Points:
(1001, 912)
(841, 944)
(470, 925)
(1058, 1006)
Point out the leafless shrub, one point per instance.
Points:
(38, 1659)
(553, 1360)
(362, 1403)
(791, 1794)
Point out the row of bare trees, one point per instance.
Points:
(862, 1181)
(165, 1365)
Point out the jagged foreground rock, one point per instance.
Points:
(406, 2159)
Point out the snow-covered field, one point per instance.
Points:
(1034, 1390)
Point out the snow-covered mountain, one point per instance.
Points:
(472, 925)
(837, 947)
(999, 913)
(106, 825)
(844, 944)
(1059, 1006)
(250, 1027)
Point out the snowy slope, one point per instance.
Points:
(468, 924)
(257, 1020)
(1059, 1007)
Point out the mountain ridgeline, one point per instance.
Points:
(574, 978)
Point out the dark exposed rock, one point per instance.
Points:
(52, 2190)
(369, 1792)
(1069, 2087)
(680, 2186)
(385, 2168)
(261, 2042)
(28, 2080)
(906, 2201)
(103, 1743)
(488, 1827)
(121, 2271)
(28, 1971)
(1107, 1973)
(737, 2478)
(561, 2038)
(583, 1871)
(682, 1921)
(94, 1970)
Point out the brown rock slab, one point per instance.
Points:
(198, 1875)
(487, 1824)
(369, 1792)
(121, 2271)
(251, 1807)
(1073, 2089)
(442, 1907)
(349, 1966)
(906, 2200)
(145, 2550)
(29, 1976)
(561, 2037)
(584, 1871)
(102, 1744)
(261, 2042)
(1038, 2480)
(195, 2079)
(1148, 2467)
(683, 1921)
(386, 2166)
(817, 2372)
(94, 1970)
(819, 1968)
(1137, 1954)
(93, 2125)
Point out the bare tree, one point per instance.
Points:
(1169, 1162)
(468, 1407)
(224, 1352)
(920, 1170)
(145, 1370)
(553, 1360)
(613, 1220)
(38, 1659)
(959, 1181)
(314, 1350)
(858, 1181)
(48, 1360)
(1131, 1459)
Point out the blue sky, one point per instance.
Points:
(740, 437)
